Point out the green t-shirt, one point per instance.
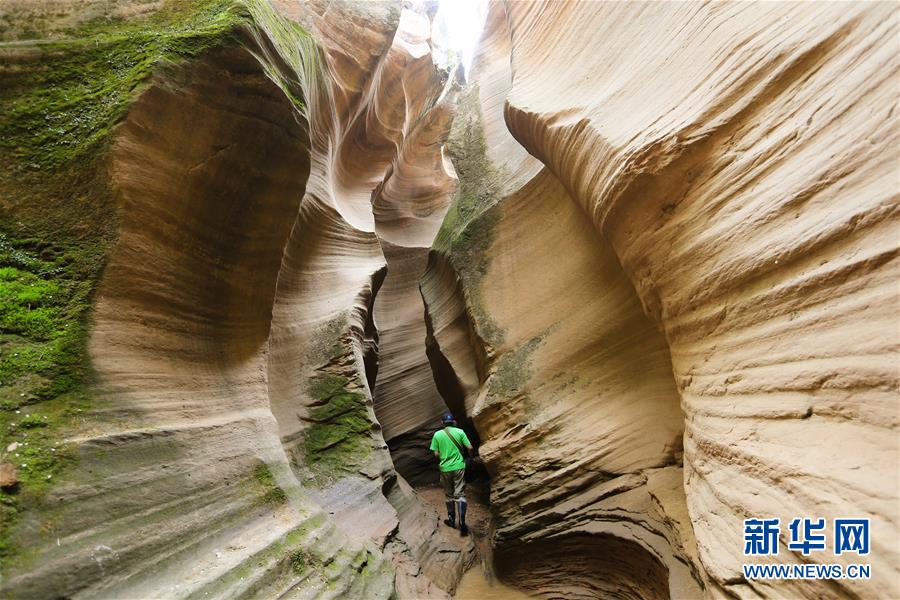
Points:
(451, 458)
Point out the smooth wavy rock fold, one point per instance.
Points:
(409, 207)
(235, 451)
(649, 252)
(689, 316)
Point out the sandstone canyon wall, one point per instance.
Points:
(648, 251)
(231, 448)
(685, 311)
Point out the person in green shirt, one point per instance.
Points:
(448, 444)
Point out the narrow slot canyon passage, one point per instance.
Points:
(252, 251)
(414, 388)
(641, 416)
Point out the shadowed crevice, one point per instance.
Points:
(582, 566)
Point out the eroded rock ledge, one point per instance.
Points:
(664, 292)
(680, 311)
(233, 449)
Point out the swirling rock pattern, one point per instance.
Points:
(659, 279)
(235, 451)
(409, 206)
(717, 219)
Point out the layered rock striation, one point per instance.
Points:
(232, 448)
(409, 206)
(687, 317)
(648, 252)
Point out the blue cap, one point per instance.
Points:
(447, 419)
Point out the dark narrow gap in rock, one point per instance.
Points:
(370, 332)
(479, 580)
(405, 401)
(451, 390)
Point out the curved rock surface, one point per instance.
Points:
(409, 207)
(709, 255)
(648, 251)
(234, 450)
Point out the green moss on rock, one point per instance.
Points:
(469, 256)
(59, 101)
(480, 182)
(45, 291)
(467, 231)
(299, 560)
(338, 439)
(329, 344)
(269, 491)
(297, 48)
(62, 104)
(513, 371)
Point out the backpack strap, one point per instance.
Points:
(455, 443)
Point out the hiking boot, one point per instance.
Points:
(463, 530)
(450, 521)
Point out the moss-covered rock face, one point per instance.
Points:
(269, 491)
(512, 372)
(43, 302)
(467, 231)
(59, 103)
(469, 255)
(337, 440)
(47, 278)
(480, 182)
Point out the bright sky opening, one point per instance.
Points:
(456, 31)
